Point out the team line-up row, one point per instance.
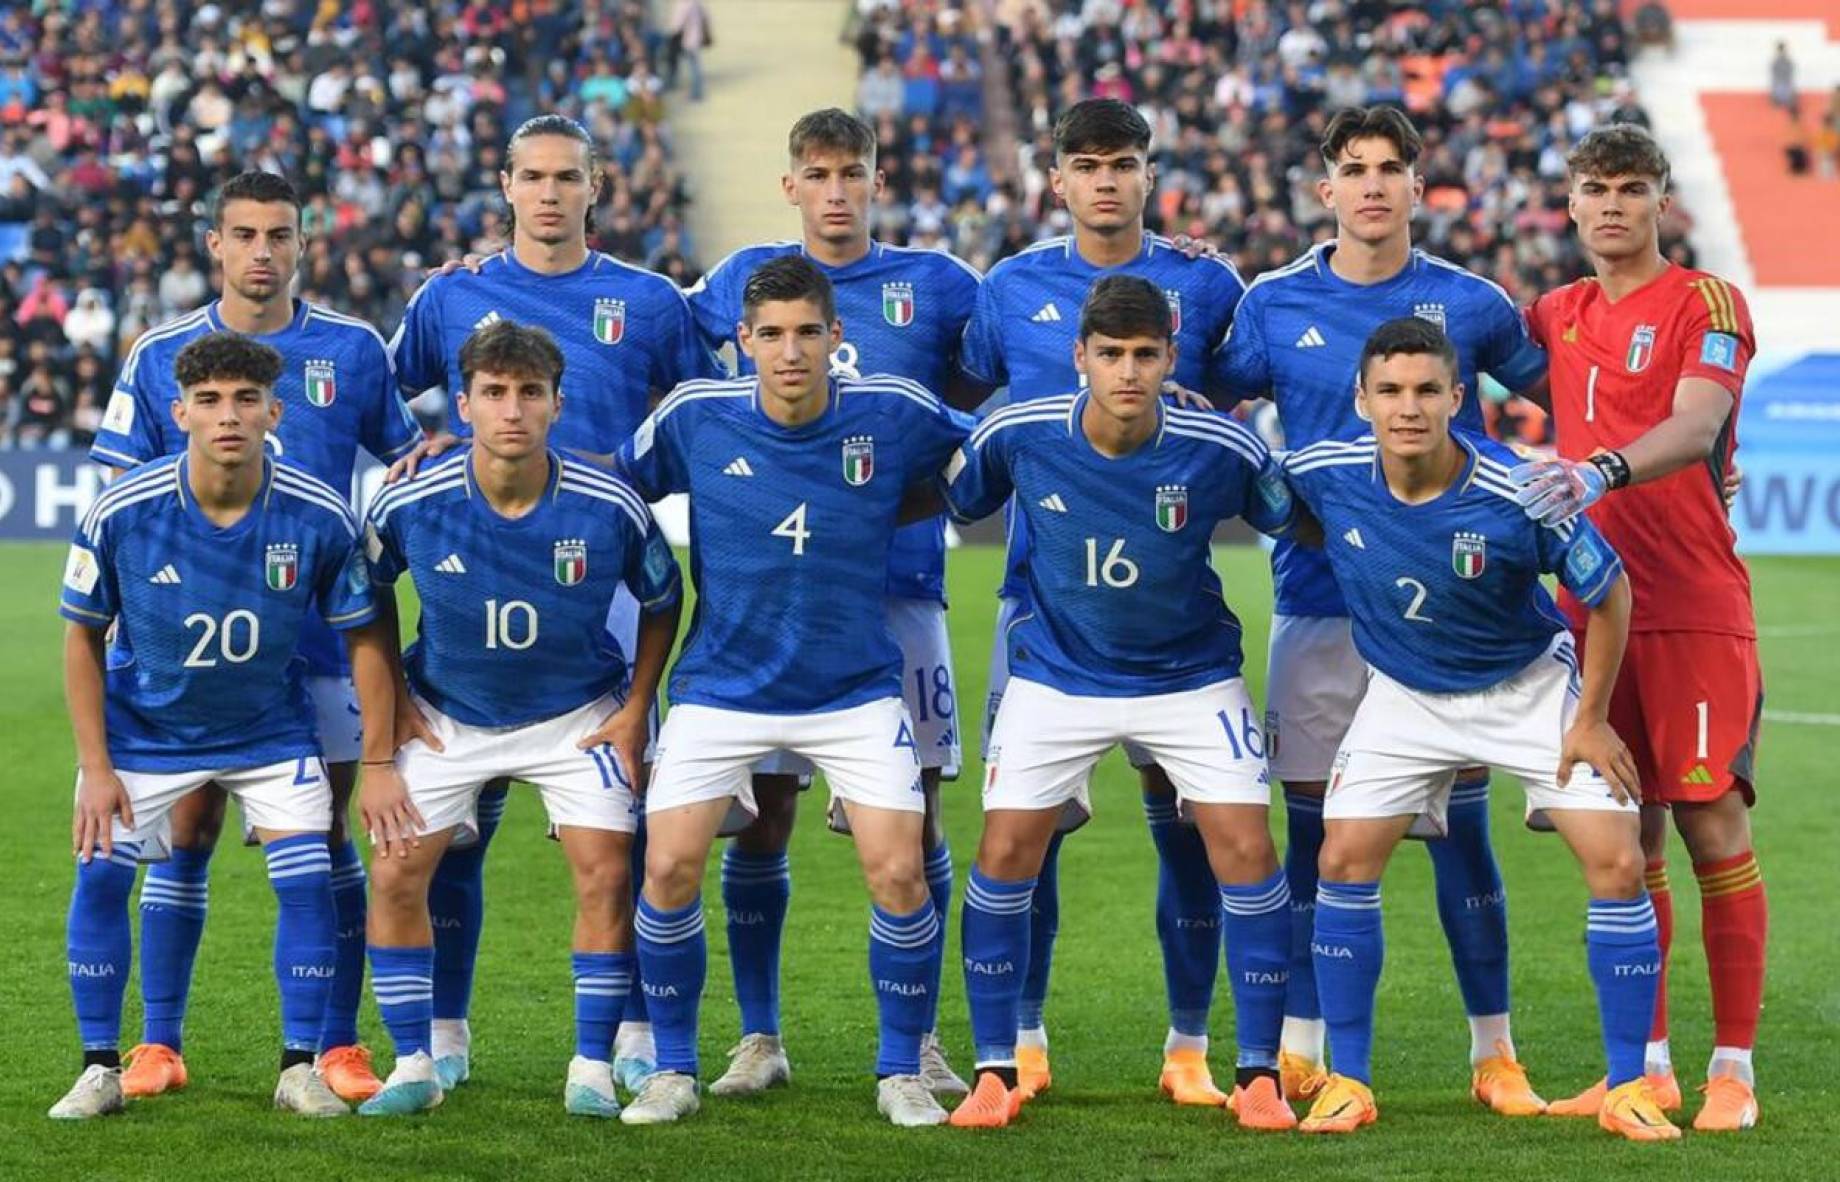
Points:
(1414, 586)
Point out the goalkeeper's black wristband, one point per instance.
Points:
(1614, 467)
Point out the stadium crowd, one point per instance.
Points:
(119, 117)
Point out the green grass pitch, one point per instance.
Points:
(1104, 1117)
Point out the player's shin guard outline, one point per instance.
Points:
(174, 903)
(673, 962)
(1349, 949)
(99, 944)
(1624, 955)
(1256, 923)
(994, 931)
(300, 872)
(903, 961)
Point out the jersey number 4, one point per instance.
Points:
(794, 527)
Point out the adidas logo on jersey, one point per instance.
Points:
(1700, 776)
(1053, 503)
(488, 318)
(1353, 538)
(451, 565)
(1311, 339)
(738, 467)
(166, 576)
(1049, 314)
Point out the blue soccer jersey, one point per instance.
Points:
(790, 529)
(1028, 316)
(626, 336)
(1123, 600)
(205, 669)
(1446, 595)
(513, 623)
(1298, 335)
(337, 391)
(903, 313)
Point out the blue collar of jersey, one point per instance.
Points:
(1077, 432)
(1071, 249)
(1471, 459)
(183, 490)
(833, 396)
(875, 252)
(1326, 273)
(511, 260)
(214, 317)
(484, 506)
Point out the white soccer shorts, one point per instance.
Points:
(1314, 682)
(928, 686)
(1404, 750)
(867, 754)
(1045, 743)
(1007, 611)
(586, 789)
(292, 796)
(341, 728)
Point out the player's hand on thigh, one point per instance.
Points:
(625, 732)
(427, 449)
(390, 817)
(412, 724)
(1598, 744)
(101, 796)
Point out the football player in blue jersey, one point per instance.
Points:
(208, 565)
(1296, 338)
(516, 552)
(1125, 640)
(903, 312)
(340, 396)
(796, 479)
(1469, 661)
(627, 337)
(1021, 335)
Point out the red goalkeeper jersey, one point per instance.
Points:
(1614, 367)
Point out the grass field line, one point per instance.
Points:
(1801, 718)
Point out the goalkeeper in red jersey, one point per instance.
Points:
(1647, 362)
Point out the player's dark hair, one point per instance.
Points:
(1125, 306)
(1618, 149)
(227, 356)
(568, 129)
(513, 349)
(834, 130)
(789, 277)
(552, 124)
(1100, 125)
(1361, 123)
(254, 185)
(1408, 334)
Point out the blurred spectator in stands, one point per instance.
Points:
(690, 35)
(1653, 25)
(1782, 79)
(42, 407)
(880, 92)
(1827, 139)
(91, 322)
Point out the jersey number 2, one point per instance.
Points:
(1418, 600)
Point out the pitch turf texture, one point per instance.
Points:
(1103, 1118)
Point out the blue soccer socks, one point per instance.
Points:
(174, 898)
(756, 892)
(1044, 926)
(1302, 1009)
(1257, 929)
(1472, 904)
(1187, 916)
(402, 981)
(673, 961)
(994, 924)
(939, 886)
(457, 909)
(99, 944)
(348, 906)
(1349, 949)
(1623, 948)
(300, 872)
(602, 982)
(903, 964)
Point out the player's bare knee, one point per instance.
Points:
(398, 886)
(896, 882)
(1716, 829)
(1616, 874)
(1346, 858)
(671, 882)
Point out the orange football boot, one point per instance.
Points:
(1187, 1080)
(991, 1105)
(347, 1071)
(153, 1068)
(1260, 1107)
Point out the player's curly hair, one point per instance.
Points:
(254, 185)
(1618, 149)
(1125, 306)
(832, 129)
(227, 356)
(1100, 125)
(516, 350)
(789, 277)
(1377, 122)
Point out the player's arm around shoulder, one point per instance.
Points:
(977, 479)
